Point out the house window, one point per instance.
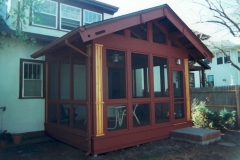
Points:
(211, 80)
(70, 17)
(31, 79)
(46, 14)
(227, 58)
(191, 80)
(91, 17)
(219, 58)
(238, 56)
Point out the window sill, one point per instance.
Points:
(31, 98)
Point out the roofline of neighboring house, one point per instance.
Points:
(144, 16)
(110, 8)
(215, 50)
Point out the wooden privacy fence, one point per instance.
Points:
(219, 97)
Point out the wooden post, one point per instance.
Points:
(238, 105)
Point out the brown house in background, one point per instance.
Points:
(120, 82)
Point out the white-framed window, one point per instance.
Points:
(91, 17)
(222, 58)
(70, 17)
(31, 79)
(45, 14)
(219, 58)
(227, 58)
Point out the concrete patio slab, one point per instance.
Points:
(196, 135)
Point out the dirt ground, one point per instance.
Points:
(166, 149)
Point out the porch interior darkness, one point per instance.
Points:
(67, 91)
(117, 85)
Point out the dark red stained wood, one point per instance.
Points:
(111, 143)
(140, 46)
(75, 139)
(130, 136)
(187, 32)
(120, 24)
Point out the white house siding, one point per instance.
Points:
(196, 78)
(225, 74)
(21, 115)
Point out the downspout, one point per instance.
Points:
(88, 103)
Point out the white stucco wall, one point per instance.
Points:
(21, 115)
(225, 74)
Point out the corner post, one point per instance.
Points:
(99, 90)
(186, 71)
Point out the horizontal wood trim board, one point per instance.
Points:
(224, 106)
(216, 91)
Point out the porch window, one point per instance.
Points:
(65, 114)
(139, 32)
(91, 17)
(160, 72)
(116, 74)
(65, 77)
(80, 117)
(79, 77)
(162, 112)
(70, 17)
(46, 14)
(158, 35)
(178, 94)
(31, 79)
(52, 110)
(53, 78)
(140, 86)
(67, 90)
(116, 118)
(141, 115)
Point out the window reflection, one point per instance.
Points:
(80, 117)
(52, 113)
(65, 77)
(65, 114)
(161, 112)
(160, 73)
(140, 75)
(79, 77)
(178, 84)
(116, 74)
(141, 115)
(116, 118)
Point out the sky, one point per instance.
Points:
(185, 9)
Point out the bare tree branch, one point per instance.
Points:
(233, 64)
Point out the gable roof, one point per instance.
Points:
(173, 25)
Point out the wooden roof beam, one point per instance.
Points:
(176, 35)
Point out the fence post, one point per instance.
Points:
(238, 106)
